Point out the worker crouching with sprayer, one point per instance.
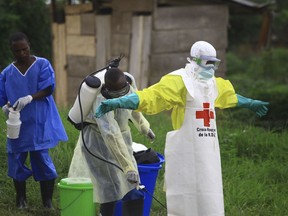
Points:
(106, 143)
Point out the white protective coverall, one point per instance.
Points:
(194, 150)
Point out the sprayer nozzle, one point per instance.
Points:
(115, 63)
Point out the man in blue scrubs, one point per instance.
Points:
(27, 85)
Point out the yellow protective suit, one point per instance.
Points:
(170, 93)
(193, 178)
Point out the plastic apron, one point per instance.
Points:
(109, 182)
(193, 168)
(78, 166)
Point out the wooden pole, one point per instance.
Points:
(264, 36)
(59, 63)
(140, 49)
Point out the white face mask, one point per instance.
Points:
(203, 68)
(206, 73)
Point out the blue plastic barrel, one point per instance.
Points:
(148, 176)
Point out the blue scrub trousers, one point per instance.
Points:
(41, 163)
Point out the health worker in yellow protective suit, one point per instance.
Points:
(193, 167)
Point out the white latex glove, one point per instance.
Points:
(5, 109)
(151, 136)
(132, 177)
(22, 102)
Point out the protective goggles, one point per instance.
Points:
(115, 94)
(207, 62)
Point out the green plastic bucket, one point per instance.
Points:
(76, 197)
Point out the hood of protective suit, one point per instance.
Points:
(199, 50)
(202, 48)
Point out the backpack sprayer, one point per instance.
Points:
(88, 90)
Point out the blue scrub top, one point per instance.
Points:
(41, 127)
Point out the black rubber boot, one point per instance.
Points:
(107, 209)
(133, 207)
(47, 188)
(20, 187)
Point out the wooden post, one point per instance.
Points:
(103, 40)
(59, 63)
(140, 49)
(265, 32)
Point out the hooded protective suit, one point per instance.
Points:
(193, 170)
(108, 138)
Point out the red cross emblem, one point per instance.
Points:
(206, 114)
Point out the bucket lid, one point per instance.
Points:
(76, 182)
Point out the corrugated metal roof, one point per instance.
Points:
(254, 4)
(245, 3)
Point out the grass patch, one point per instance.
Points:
(254, 166)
